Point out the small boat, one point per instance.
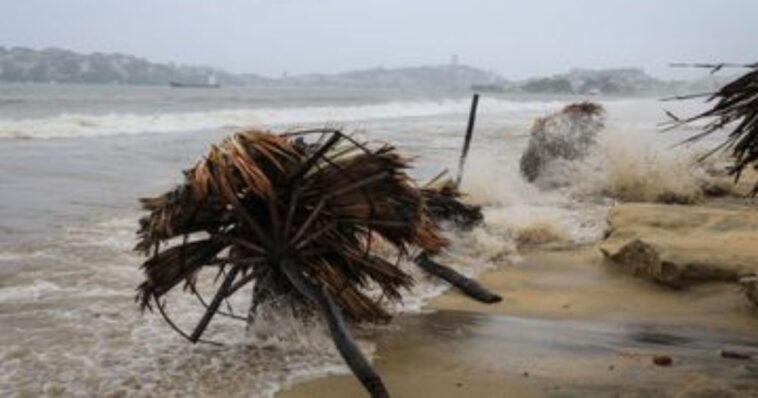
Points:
(192, 85)
(210, 84)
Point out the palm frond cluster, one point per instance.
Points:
(735, 104)
(273, 210)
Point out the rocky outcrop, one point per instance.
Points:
(564, 136)
(646, 261)
(679, 246)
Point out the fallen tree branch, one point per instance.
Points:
(468, 286)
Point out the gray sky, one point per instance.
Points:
(515, 38)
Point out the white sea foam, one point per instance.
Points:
(102, 346)
(75, 125)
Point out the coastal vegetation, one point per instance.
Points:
(735, 108)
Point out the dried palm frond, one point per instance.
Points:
(263, 199)
(736, 103)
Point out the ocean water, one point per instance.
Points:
(74, 160)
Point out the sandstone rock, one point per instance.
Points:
(644, 261)
(678, 246)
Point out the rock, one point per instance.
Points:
(644, 261)
(679, 246)
(750, 286)
(663, 360)
(567, 135)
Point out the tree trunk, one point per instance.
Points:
(345, 344)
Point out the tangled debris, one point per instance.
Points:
(443, 200)
(294, 216)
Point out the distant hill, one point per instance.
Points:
(54, 65)
(623, 81)
(455, 77)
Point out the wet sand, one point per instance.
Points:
(568, 326)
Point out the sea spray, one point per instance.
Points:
(512, 206)
(640, 173)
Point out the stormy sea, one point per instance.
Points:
(75, 159)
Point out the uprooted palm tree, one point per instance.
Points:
(292, 218)
(736, 104)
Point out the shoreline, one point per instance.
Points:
(568, 325)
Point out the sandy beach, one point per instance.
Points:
(570, 325)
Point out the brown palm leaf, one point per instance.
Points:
(261, 198)
(736, 104)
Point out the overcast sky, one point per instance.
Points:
(515, 38)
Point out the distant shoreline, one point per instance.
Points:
(59, 66)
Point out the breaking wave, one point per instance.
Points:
(78, 125)
(634, 173)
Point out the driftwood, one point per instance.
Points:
(468, 286)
